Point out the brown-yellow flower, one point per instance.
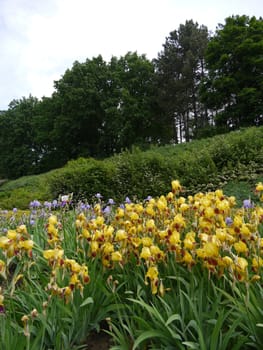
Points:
(116, 256)
(53, 253)
(240, 247)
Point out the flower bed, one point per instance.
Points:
(66, 270)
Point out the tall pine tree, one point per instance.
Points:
(180, 68)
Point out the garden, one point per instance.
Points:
(174, 271)
(131, 211)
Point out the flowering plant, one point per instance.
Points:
(177, 260)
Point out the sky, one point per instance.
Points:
(40, 39)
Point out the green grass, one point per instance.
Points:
(242, 190)
(20, 192)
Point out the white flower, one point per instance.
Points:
(65, 198)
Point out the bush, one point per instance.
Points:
(237, 147)
(84, 180)
(18, 193)
(200, 165)
(143, 173)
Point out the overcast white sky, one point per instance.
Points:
(40, 39)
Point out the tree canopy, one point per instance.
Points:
(200, 84)
(180, 68)
(233, 87)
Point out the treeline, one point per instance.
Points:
(199, 85)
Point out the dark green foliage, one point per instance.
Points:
(179, 70)
(80, 94)
(102, 108)
(195, 167)
(234, 86)
(139, 174)
(26, 141)
(18, 149)
(98, 109)
(131, 112)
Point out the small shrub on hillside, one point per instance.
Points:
(195, 168)
(237, 147)
(143, 173)
(85, 181)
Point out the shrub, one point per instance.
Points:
(143, 173)
(18, 193)
(84, 180)
(237, 147)
(199, 165)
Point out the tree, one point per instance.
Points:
(104, 108)
(233, 88)
(180, 68)
(43, 125)
(79, 117)
(130, 107)
(97, 109)
(18, 148)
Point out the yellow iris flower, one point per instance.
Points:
(53, 253)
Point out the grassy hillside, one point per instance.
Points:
(232, 162)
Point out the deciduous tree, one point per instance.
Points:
(234, 86)
(18, 148)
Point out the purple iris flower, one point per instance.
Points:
(47, 205)
(35, 204)
(107, 210)
(229, 221)
(127, 200)
(82, 206)
(247, 204)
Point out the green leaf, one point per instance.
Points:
(87, 301)
(197, 322)
(175, 317)
(153, 312)
(147, 335)
(231, 334)
(191, 345)
(212, 321)
(214, 344)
